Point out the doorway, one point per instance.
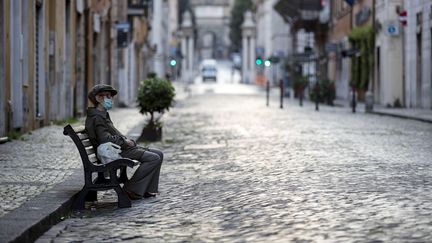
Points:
(2, 73)
(39, 84)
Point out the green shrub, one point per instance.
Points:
(300, 82)
(155, 95)
(326, 92)
(362, 38)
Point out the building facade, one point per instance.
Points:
(340, 26)
(53, 52)
(273, 39)
(388, 83)
(212, 27)
(418, 54)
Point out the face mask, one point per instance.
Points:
(107, 103)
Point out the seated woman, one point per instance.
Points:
(145, 180)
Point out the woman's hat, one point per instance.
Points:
(100, 88)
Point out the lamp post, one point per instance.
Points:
(248, 48)
(187, 47)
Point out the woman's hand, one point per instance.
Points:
(131, 142)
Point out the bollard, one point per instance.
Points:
(353, 102)
(369, 101)
(281, 85)
(301, 97)
(317, 94)
(268, 92)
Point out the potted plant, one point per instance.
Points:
(299, 85)
(325, 90)
(154, 95)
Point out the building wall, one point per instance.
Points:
(80, 91)
(2, 71)
(418, 90)
(338, 67)
(388, 85)
(52, 53)
(273, 36)
(16, 69)
(157, 38)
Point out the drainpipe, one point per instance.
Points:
(369, 102)
(403, 61)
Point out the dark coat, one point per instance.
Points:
(100, 129)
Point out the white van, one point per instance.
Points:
(209, 69)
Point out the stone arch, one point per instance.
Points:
(207, 44)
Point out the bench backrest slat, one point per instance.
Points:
(79, 129)
(87, 153)
(82, 136)
(86, 143)
(93, 158)
(90, 150)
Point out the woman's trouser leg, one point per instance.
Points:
(146, 177)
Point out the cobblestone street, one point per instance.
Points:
(237, 171)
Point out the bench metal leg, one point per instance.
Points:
(123, 199)
(79, 202)
(123, 175)
(91, 196)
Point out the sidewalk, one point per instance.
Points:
(40, 173)
(423, 115)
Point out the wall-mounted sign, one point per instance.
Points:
(331, 47)
(122, 34)
(350, 2)
(136, 10)
(392, 28)
(96, 23)
(363, 16)
(403, 18)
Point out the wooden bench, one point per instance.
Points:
(93, 166)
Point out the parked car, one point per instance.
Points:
(209, 70)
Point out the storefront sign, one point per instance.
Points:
(363, 15)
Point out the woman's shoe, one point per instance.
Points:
(149, 194)
(133, 195)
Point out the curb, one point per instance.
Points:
(36, 216)
(400, 116)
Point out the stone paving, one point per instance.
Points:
(43, 158)
(236, 171)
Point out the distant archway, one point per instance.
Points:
(208, 45)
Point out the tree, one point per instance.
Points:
(237, 17)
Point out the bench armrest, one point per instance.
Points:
(119, 163)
